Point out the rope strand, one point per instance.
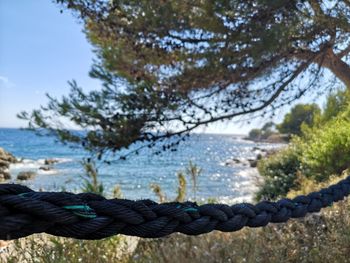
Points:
(89, 216)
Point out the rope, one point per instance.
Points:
(89, 216)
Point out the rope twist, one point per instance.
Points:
(89, 216)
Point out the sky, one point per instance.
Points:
(40, 50)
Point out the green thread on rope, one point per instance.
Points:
(80, 207)
(189, 209)
(81, 210)
(85, 210)
(23, 194)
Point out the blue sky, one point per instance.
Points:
(40, 50)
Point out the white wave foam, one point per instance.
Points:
(242, 139)
(249, 172)
(49, 172)
(63, 160)
(27, 164)
(36, 164)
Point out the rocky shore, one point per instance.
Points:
(273, 138)
(6, 159)
(259, 152)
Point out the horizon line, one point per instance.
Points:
(213, 133)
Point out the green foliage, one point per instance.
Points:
(326, 150)
(198, 44)
(279, 173)
(111, 118)
(262, 134)
(255, 134)
(299, 114)
(322, 150)
(336, 103)
(268, 127)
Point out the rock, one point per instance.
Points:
(4, 164)
(26, 175)
(45, 168)
(232, 161)
(278, 138)
(7, 157)
(4, 175)
(253, 163)
(4, 249)
(236, 161)
(259, 156)
(4, 243)
(50, 161)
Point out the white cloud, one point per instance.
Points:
(5, 83)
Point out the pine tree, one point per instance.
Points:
(169, 67)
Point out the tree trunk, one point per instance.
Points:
(338, 67)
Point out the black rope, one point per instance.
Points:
(89, 216)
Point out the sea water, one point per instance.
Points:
(218, 180)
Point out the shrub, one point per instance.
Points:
(255, 134)
(326, 151)
(299, 114)
(279, 172)
(337, 101)
(321, 151)
(262, 134)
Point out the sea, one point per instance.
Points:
(221, 178)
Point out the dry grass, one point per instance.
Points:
(46, 248)
(322, 237)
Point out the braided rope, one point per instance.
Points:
(89, 216)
